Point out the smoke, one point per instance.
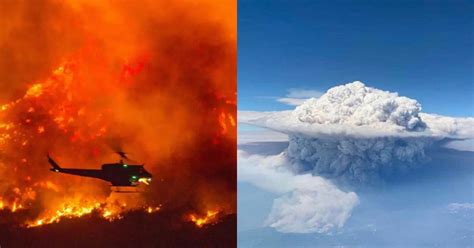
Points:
(352, 134)
(355, 110)
(360, 134)
(451, 127)
(306, 203)
(356, 104)
(357, 160)
(155, 78)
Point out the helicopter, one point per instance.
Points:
(118, 174)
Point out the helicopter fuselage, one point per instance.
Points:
(118, 174)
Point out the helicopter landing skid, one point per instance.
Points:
(120, 189)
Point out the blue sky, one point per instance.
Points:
(421, 49)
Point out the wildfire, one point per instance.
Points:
(100, 90)
(69, 211)
(63, 114)
(49, 105)
(13, 206)
(76, 210)
(211, 216)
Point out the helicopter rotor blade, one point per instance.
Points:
(124, 156)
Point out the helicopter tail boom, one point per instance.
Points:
(56, 167)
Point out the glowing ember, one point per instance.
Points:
(152, 209)
(35, 91)
(40, 129)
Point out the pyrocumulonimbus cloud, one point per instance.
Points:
(352, 133)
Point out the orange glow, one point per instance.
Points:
(165, 95)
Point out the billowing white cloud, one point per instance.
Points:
(352, 132)
(307, 203)
(358, 105)
(359, 111)
(359, 133)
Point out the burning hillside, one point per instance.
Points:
(156, 79)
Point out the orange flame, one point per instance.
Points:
(210, 217)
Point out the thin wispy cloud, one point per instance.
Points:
(303, 93)
(297, 97)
